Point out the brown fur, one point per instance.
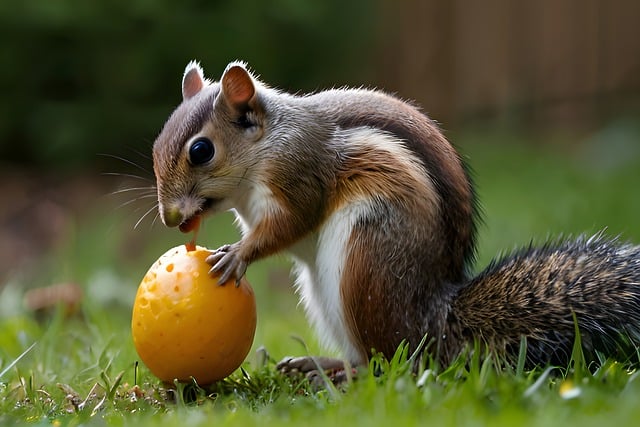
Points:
(443, 166)
(369, 282)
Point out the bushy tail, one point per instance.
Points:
(537, 291)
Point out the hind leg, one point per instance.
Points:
(317, 369)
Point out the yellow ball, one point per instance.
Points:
(186, 325)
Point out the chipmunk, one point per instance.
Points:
(379, 214)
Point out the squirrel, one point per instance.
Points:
(378, 211)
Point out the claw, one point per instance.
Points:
(307, 364)
(317, 370)
(214, 258)
(217, 254)
(226, 262)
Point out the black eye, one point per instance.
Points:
(201, 151)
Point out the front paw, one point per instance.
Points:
(227, 262)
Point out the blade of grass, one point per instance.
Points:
(577, 354)
(12, 364)
(522, 356)
(542, 379)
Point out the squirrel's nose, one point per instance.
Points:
(171, 216)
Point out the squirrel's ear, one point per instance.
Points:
(237, 87)
(193, 80)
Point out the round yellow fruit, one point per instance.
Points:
(187, 325)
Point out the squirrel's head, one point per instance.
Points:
(205, 152)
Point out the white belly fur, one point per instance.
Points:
(319, 263)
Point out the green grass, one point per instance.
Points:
(81, 369)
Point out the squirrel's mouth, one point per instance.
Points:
(193, 221)
(190, 224)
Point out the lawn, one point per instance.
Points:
(80, 369)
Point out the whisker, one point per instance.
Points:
(145, 214)
(151, 189)
(242, 177)
(155, 218)
(244, 174)
(127, 175)
(128, 202)
(125, 204)
(123, 159)
(144, 155)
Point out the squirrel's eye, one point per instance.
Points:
(201, 151)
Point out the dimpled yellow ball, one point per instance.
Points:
(186, 325)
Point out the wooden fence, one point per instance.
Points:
(548, 60)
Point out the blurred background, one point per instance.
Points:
(541, 97)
